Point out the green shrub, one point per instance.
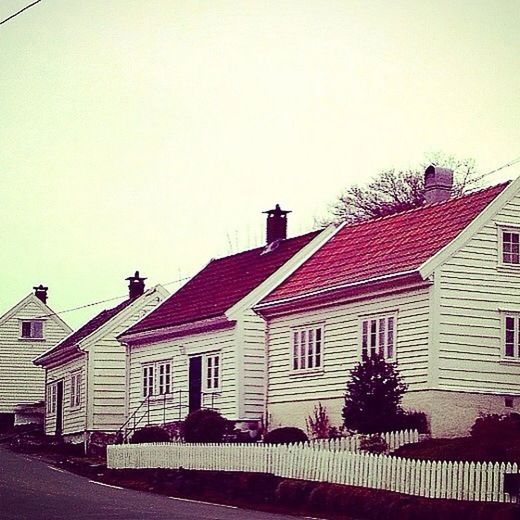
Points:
(285, 435)
(373, 444)
(494, 426)
(293, 492)
(204, 425)
(373, 394)
(411, 420)
(150, 434)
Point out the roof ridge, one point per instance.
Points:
(262, 247)
(430, 205)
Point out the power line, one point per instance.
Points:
(104, 301)
(20, 11)
(507, 165)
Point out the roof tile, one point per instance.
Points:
(386, 245)
(221, 284)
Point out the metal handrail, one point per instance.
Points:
(151, 401)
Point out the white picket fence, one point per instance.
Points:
(432, 479)
(394, 440)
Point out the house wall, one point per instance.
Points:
(291, 397)
(74, 419)
(473, 290)
(20, 380)
(251, 367)
(175, 407)
(107, 360)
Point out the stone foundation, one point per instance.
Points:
(450, 414)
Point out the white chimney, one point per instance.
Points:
(438, 183)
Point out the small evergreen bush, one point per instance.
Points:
(373, 395)
(411, 420)
(373, 444)
(285, 435)
(204, 425)
(150, 434)
(496, 427)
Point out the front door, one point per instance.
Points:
(195, 383)
(59, 407)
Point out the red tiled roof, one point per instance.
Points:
(385, 246)
(67, 346)
(221, 284)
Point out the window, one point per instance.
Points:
(165, 378)
(31, 329)
(52, 397)
(378, 336)
(156, 378)
(75, 389)
(307, 348)
(510, 246)
(511, 339)
(212, 370)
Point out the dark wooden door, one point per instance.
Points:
(59, 407)
(195, 383)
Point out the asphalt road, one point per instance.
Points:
(31, 489)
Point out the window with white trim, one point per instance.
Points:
(52, 398)
(157, 378)
(212, 372)
(307, 348)
(75, 389)
(165, 371)
(31, 329)
(510, 241)
(378, 336)
(511, 336)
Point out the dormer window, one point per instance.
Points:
(511, 247)
(31, 329)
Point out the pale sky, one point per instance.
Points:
(151, 134)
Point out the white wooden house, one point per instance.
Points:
(26, 330)
(204, 347)
(435, 289)
(85, 373)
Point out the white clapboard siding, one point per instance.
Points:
(251, 352)
(473, 290)
(431, 479)
(107, 361)
(178, 352)
(20, 380)
(74, 418)
(341, 350)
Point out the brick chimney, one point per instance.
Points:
(41, 293)
(438, 183)
(276, 224)
(135, 285)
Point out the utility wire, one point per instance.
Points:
(507, 165)
(104, 301)
(19, 12)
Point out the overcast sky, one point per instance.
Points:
(151, 134)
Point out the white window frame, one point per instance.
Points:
(515, 357)
(32, 337)
(75, 389)
(52, 398)
(381, 335)
(211, 372)
(507, 228)
(306, 353)
(156, 378)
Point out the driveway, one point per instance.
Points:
(31, 489)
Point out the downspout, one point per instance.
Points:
(266, 375)
(86, 440)
(128, 360)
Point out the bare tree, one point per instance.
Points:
(393, 191)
